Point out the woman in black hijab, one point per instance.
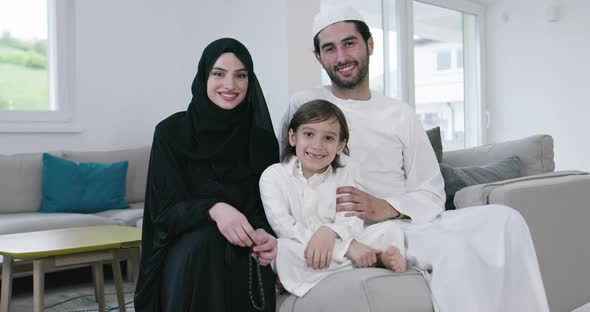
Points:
(203, 220)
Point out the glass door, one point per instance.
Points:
(446, 73)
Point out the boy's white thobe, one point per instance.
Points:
(296, 207)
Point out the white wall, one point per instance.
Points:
(304, 70)
(136, 59)
(539, 75)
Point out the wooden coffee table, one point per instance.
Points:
(66, 247)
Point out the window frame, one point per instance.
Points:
(61, 74)
(476, 125)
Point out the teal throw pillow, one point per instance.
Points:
(460, 177)
(82, 187)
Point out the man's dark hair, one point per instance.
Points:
(361, 27)
(318, 111)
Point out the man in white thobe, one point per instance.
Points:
(474, 259)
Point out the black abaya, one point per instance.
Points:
(201, 157)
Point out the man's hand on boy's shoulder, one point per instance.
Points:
(364, 205)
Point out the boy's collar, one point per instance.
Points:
(297, 171)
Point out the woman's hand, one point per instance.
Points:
(232, 224)
(265, 245)
(320, 247)
(362, 255)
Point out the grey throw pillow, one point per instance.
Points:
(436, 142)
(460, 177)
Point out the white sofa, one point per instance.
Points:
(21, 192)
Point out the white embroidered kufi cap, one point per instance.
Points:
(329, 15)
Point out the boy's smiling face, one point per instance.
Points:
(316, 145)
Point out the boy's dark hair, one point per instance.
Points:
(361, 27)
(318, 111)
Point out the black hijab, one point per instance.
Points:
(219, 134)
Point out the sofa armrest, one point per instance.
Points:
(556, 207)
(490, 193)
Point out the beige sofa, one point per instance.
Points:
(556, 206)
(21, 192)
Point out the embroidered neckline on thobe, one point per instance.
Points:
(314, 180)
(331, 93)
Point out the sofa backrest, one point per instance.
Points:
(535, 153)
(20, 182)
(136, 172)
(21, 176)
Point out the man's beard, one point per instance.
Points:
(363, 70)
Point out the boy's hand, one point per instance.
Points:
(319, 249)
(362, 255)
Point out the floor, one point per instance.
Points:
(69, 291)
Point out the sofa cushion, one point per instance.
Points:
(126, 217)
(85, 187)
(370, 289)
(138, 159)
(584, 308)
(20, 182)
(535, 153)
(436, 142)
(458, 178)
(34, 221)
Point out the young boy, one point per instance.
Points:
(299, 198)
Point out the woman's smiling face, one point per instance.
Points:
(227, 84)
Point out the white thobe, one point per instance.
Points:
(475, 259)
(390, 149)
(296, 207)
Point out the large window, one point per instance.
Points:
(442, 94)
(23, 55)
(36, 65)
(428, 53)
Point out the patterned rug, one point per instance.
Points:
(69, 292)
